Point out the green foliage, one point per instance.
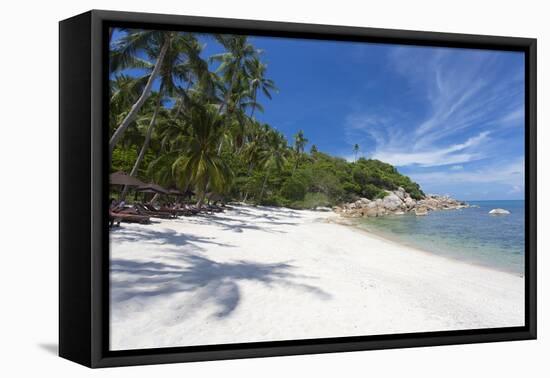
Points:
(123, 158)
(206, 138)
(294, 188)
(312, 200)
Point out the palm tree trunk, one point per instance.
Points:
(200, 201)
(141, 100)
(146, 142)
(263, 187)
(250, 167)
(180, 105)
(154, 198)
(226, 102)
(254, 102)
(296, 164)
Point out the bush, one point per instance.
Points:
(294, 189)
(312, 200)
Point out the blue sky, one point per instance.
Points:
(451, 119)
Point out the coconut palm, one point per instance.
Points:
(300, 142)
(274, 156)
(254, 150)
(125, 55)
(232, 63)
(199, 162)
(182, 63)
(355, 150)
(256, 73)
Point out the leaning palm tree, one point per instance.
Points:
(126, 55)
(124, 91)
(199, 162)
(182, 63)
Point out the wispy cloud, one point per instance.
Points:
(453, 154)
(464, 98)
(511, 174)
(515, 117)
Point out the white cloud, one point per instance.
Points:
(453, 154)
(464, 98)
(512, 174)
(515, 117)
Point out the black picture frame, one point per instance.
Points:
(83, 224)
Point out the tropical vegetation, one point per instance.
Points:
(186, 121)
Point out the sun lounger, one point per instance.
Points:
(145, 210)
(128, 218)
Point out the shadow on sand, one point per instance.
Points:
(164, 237)
(208, 280)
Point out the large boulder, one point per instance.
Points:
(421, 211)
(392, 202)
(409, 203)
(401, 193)
(364, 201)
(370, 211)
(499, 212)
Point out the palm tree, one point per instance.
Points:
(300, 142)
(256, 73)
(182, 63)
(274, 156)
(126, 55)
(355, 151)
(254, 151)
(232, 62)
(199, 162)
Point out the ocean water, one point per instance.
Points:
(470, 235)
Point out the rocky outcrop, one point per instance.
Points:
(499, 212)
(397, 202)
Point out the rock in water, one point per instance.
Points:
(499, 212)
(421, 211)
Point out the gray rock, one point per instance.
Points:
(421, 211)
(499, 212)
(392, 202)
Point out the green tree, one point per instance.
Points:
(199, 162)
(273, 157)
(256, 71)
(126, 55)
(300, 142)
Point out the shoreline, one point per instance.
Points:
(403, 243)
(228, 277)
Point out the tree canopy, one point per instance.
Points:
(189, 122)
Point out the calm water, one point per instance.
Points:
(469, 234)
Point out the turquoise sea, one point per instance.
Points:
(470, 235)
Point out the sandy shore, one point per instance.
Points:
(262, 274)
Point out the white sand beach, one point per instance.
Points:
(263, 274)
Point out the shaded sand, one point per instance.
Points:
(262, 274)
